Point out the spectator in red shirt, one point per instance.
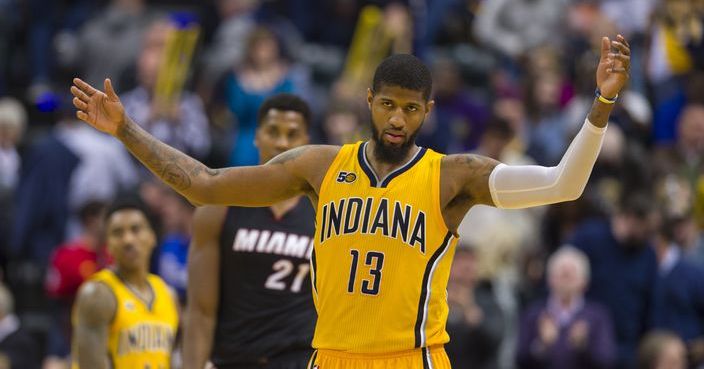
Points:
(71, 264)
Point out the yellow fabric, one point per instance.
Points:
(140, 337)
(677, 54)
(394, 298)
(427, 358)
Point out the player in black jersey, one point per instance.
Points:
(249, 290)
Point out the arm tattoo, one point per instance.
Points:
(172, 166)
(289, 155)
(480, 169)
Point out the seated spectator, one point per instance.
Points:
(566, 331)
(13, 119)
(476, 322)
(176, 214)
(16, 344)
(679, 292)
(624, 268)
(71, 264)
(182, 125)
(661, 350)
(343, 124)
(264, 72)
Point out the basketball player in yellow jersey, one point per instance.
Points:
(387, 210)
(125, 318)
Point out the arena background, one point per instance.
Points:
(513, 79)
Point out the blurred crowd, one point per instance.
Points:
(612, 280)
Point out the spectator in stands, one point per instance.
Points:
(176, 214)
(685, 159)
(662, 350)
(476, 322)
(516, 26)
(182, 125)
(459, 117)
(228, 48)
(546, 87)
(110, 41)
(71, 264)
(676, 44)
(343, 123)
(16, 344)
(624, 268)
(264, 72)
(679, 291)
(566, 331)
(13, 120)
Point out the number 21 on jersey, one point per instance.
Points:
(369, 285)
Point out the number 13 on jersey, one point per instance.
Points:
(370, 285)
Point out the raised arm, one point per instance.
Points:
(203, 286)
(95, 309)
(292, 173)
(475, 179)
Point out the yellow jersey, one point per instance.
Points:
(382, 255)
(140, 336)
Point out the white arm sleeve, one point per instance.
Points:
(522, 186)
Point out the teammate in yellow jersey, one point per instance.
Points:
(125, 318)
(387, 210)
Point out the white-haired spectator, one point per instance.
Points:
(15, 343)
(566, 331)
(13, 119)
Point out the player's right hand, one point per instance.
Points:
(102, 110)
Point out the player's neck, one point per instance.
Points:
(281, 208)
(382, 168)
(136, 278)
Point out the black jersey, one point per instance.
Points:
(265, 307)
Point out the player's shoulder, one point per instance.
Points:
(467, 165)
(96, 301)
(307, 153)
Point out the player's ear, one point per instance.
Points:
(429, 106)
(370, 97)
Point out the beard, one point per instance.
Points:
(392, 154)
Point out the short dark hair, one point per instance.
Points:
(286, 102)
(91, 210)
(131, 203)
(638, 204)
(405, 71)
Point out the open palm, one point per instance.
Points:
(102, 110)
(614, 65)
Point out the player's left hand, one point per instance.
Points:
(614, 66)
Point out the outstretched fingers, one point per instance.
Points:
(86, 88)
(605, 47)
(79, 104)
(79, 94)
(618, 70)
(109, 90)
(621, 47)
(622, 40)
(82, 116)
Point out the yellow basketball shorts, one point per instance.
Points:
(424, 358)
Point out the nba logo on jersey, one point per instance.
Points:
(129, 305)
(346, 177)
(316, 367)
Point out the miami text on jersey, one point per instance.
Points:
(268, 242)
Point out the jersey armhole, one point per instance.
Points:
(329, 174)
(437, 172)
